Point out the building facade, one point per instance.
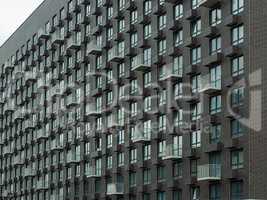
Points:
(135, 100)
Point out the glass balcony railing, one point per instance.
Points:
(115, 189)
(172, 152)
(140, 64)
(209, 172)
(93, 172)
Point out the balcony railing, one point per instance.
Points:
(41, 185)
(93, 172)
(92, 111)
(172, 152)
(42, 83)
(29, 172)
(73, 43)
(140, 64)
(41, 134)
(18, 160)
(30, 76)
(169, 72)
(71, 100)
(209, 172)
(73, 158)
(58, 37)
(94, 48)
(43, 33)
(115, 189)
(114, 55)
(207, 86)
(140, 136)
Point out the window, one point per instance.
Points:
(196, 3)
(161, 148)
(236, 190)
(196, 28)
(134, 39)
(133, 156)
(238, 35)
(196, 139)
(147, 56)
(109, 141)
(178, 38)
(178, 90)
(121, 69)
(133, 109)
(163, 97)
(215, 104)
(109, 162)
(237, 6)
(120, 159)
(196, 111)
(121, 4)
(110, 33)
(134, 86)
(195, 82)
(215, 133)
(238, 66)
(195, 193)
(215, 192)
(177, 169)
(195, 55)
(162, 47)
(177, 195)
(237, 159)
(109, 98)
(147, 104)
(178, 11)
(147, 152)
(215, 77)
(134, 17)
(178, 120)
(147, 176)
(215, 16)
(110, 12)
(132, 179)
(161, 173)
(147, 7)
(121, 25)
(147, 31)
(162, 123)
(237, 96)
(162, 22)
(121, 137)
(236, 128)
(147, 79)
(161, 196)
(178, 65)
(215, 45)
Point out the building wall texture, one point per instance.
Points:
(101, 99)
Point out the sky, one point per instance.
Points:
(13, 13)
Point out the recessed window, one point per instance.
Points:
(238, 66)
(237, 159)
(196, 55)
(237, 6)
(215, 133)
(215, 16)
(236, 190)
(215, 45)
(196, 139)
(236, 128)
(196, 28)
(238, 35)
(196, 111)
(215, 104)
(147, 7)
(237, 96)
(147, 31)
(178, 11)
(162, 21)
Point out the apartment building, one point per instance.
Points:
(135, 100)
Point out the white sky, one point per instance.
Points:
(12, 14)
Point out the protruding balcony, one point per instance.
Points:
(29, 172)
(140, 136)
(208, 86)
(43, 33)
(41, 185)
(71, 100)
(19, 114)
(171, 72)
(8, 65)
(92, 172)
(41, 134)
(210, 3)
(115, 189)
(18, 160)
(172, 152)
(92, 111)
(115, 55)
(9, 106)
(73, 43)
(94, 48)
(30, 76)
(58, 37)
(209, 172)
(73, 158)
(42, 83)
(29, 124)
(7, 150)
(140, 64)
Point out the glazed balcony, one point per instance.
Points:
(114, 55)
(172, 152)
(171, 73)
(73, 43)
(140, 64)
(209, 172)
(140, 136)
(58, 37)
(43, 33)
(94, 48)
(115, 189)
(209, 87)
(92, 172)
